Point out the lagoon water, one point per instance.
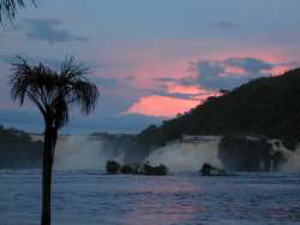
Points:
(90, 198)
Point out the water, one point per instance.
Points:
(89, 198)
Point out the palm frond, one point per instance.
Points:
(79, 90)
(53, 92)
(9, 8)
(85, 94)
(71, 70)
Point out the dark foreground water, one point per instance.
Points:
(90, 198)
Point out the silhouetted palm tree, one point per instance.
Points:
(53, 93)
(8, 8)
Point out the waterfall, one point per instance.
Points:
(187, 156)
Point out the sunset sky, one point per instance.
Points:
(150, 59)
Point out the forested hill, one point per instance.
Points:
(268, 106)
(17, 150)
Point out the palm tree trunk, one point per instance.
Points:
(50, 137)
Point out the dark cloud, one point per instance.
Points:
(164, 91)
(165, 79)
(184, 96)
(207, 74)
(213, 74)
(49, 30)
(223, 25)
(251, 65)
(209, 68)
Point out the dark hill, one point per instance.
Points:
(268, 106)
(17, 150)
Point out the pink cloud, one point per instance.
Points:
(148, 60)
(161, 106)
(180, 89)
(279, 70)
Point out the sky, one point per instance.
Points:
(151, 60)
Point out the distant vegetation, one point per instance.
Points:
(113, 167)
(267, 106)
(17, 150)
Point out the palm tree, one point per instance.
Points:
(53, 93)
(8, 8)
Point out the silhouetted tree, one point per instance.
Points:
(52, 93)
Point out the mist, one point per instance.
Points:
(180, 156)
(86, 153)
(293, 157)
(82, 153)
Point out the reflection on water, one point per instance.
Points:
(92, 198)
(164, 201)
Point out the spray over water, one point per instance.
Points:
(184, 156)
(81, 153)
(292, 164)
(86, 153)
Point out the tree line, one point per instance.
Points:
(18, 150)
(266, 106)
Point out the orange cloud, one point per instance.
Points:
(161, 106)
(279, 70)
(190, 90)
